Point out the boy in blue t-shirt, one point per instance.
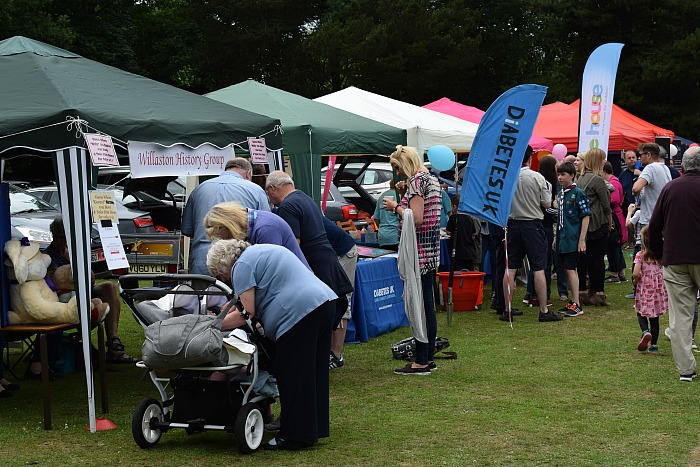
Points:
(572, 224)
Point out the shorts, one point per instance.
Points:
(568, 261)
(349, 263)
(526, 238)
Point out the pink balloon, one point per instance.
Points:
(693, 145)
(559, 152)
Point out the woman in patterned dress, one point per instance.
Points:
(423, 197)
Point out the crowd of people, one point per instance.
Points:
(565, 219)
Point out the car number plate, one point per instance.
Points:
(97, 255)
(148, 268)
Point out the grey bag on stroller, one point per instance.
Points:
(184, 341)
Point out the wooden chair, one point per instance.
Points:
(40, 331)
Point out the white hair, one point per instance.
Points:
(278, 178)
(691, 159)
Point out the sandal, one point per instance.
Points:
(116, 354)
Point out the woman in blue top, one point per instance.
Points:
(268, 279)
(232, 220)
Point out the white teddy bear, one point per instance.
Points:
(31, 298)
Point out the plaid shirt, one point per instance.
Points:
(428, 233)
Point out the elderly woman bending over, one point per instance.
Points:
(268, 278)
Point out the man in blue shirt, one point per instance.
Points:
(234, 184)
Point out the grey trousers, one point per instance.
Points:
(682, 283)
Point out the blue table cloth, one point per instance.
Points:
(377, 306)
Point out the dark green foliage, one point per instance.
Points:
(412, 50)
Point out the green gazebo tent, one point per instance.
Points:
(312, 129)
(49, 97)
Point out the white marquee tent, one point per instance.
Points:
(424, 127)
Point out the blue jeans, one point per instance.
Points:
(426, 352)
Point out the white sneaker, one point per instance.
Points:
(667, 332)
(693, 346)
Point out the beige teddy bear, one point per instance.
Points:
(65, 288)
(31, 298)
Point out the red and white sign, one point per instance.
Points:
(258, 150)
(101, 149)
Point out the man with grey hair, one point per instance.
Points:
(234, 184)
(306, 220)
(673, 232)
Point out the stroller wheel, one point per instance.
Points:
(249, 428)
(143, 430)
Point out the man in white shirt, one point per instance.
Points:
(653, 178)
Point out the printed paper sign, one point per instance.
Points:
(101, 149)
(258, 150)
(155, 160)
(112, 247)
(103, 207)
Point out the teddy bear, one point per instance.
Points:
(31, 298)
(65, 288)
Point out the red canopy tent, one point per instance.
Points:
(634, 129)
(559, 122)
(472, 114)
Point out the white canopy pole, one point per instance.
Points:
(72, 181)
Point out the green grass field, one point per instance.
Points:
(576, 392)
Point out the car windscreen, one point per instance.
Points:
(21, 201)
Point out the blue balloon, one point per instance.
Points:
(441, 157)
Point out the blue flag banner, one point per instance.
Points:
(597, 91)
(497, 153)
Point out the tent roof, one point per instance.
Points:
(313, 126)
(559, 122)
(473, 114)
(634, 129)
(41, 87)
(425, 128)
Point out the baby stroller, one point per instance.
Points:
(198, 404)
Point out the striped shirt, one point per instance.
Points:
(428, 233)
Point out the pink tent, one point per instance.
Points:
(472, 114)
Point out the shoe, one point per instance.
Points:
(273, 425)
(335, 362)
(536, 303)
(585, 298)
(563, 298)
(667, 333)
(279, 444)
(554, 276)
(527, 299)
(549, 316)
(115, 352)
(573, 310)
(630, 295)
(644, 341)
(410, 370)
(15, 387)
(516, 312)
(29, 375)
(599, 299)
(623, 278)
(504, 316)
(612, 279)
(654, 349)
(688, 378)
(693, 346)
(432, 366)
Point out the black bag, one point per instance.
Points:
(406, 349)
(615, 236)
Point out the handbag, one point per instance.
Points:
(405, 349)
(184, 341)
(615, 236)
